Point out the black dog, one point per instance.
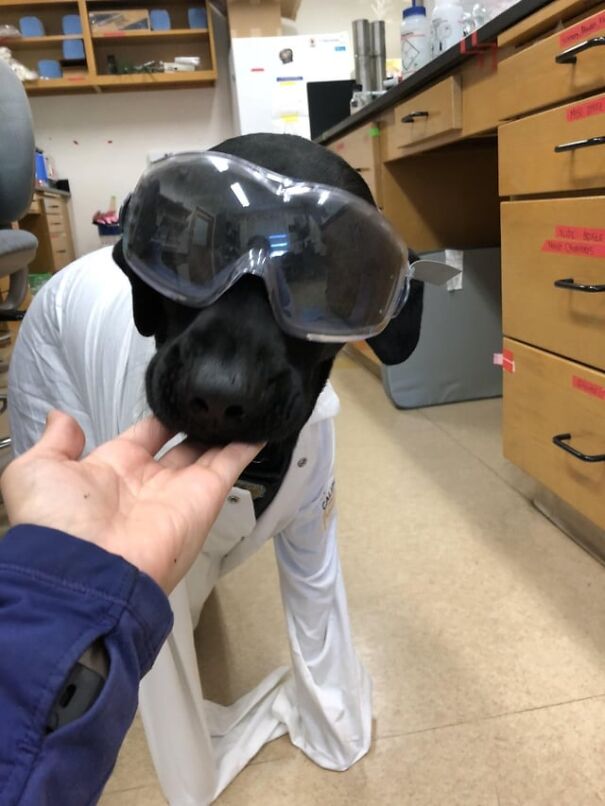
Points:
(228, 372)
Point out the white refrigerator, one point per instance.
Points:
(269, 78)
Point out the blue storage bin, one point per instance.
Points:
(73, 49)
(197, 16)
(41, 172)
(72, 24)
(31, 26)
(49, 68)
(160, 20)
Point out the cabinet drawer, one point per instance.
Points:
(543, 242)
(527, 157)
(35, 207)
(58, 241)
(533, 78)
(56, 226)
(53, 204)
(547, 396)
(61, 250)
(56, 219)
(436, 111)
(361, 149)
(371, 177)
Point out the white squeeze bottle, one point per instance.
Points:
(447, 25)
(415, 39)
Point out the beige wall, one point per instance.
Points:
(101, 142)
(328, 16)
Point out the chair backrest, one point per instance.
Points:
(17, 149)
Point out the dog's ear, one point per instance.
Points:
(398, 340)
(146, 306)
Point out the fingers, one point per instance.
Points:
(149, 433)
(229, 462)
(182, 455)
(62, 438)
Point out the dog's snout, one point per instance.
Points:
(216, 407)
(216, 398)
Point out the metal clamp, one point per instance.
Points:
(413, 115)
(561, 442)
(574, 144)
(569, 56)
(571, 285)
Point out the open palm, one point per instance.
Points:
(154, 513)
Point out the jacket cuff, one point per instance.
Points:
(58, 559)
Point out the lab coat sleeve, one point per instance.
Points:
(330, 717)
(58, 595)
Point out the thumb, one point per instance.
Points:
(62, 438)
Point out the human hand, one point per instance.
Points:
(155, 514)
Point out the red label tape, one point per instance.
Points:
(590, 388)
(505, 361)
(585, 234)
(573, 248)
(586, 109)
(583, 30)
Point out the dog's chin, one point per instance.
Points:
(218, 435)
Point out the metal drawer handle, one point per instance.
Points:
(569, 56)
(5, 443)
(5, 340)
(413, 115)
(590, 141)
(569, 283)
(561, 442)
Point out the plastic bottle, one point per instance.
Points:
(415, 39)
(447, 25)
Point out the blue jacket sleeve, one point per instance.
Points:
(57, 596)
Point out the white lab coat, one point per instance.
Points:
(79, 351)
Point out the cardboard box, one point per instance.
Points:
(254, 18)
(126, 19)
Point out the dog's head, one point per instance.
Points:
(228, 372)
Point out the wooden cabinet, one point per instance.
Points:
(561, 149)
(48, 220)
(108, 51)
(434, 112)
(361, 149)
(554, 70)
(549, 400)
(552, 250)
(553, 266)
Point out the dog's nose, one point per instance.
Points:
(216, 407)
(216, 400)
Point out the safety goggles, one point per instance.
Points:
(197, 222)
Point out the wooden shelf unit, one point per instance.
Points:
(177, 34)
(37, 3)
(37, 42)
(126, 47)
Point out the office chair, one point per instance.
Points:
(17, 247)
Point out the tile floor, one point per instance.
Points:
(481, 624)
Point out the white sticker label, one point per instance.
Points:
(454, 257)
